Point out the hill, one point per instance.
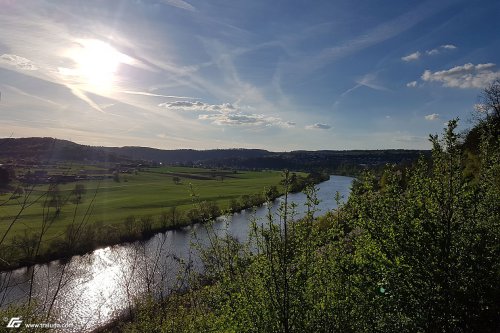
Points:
(42, 150)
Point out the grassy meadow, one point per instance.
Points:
(149, 192)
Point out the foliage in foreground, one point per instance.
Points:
(420, 255)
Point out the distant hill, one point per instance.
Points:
(51, 150)
(185, 155)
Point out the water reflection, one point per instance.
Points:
(90, 290)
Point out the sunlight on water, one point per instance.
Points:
(95, 288)
(104, 283)
(96, 295)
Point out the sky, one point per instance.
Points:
(277, 75)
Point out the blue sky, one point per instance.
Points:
(279, 75)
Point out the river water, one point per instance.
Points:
(89, 291)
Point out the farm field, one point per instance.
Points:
(108, 202)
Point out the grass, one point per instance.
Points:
(150, 192)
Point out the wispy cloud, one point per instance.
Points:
(29, 95)
(433, 116)
(377, 34)
(432, 52)
(369, 80)
(48, 43)
(81, 94)
(189, 67)
(180, 4)
(144, 93)
(18, 62)
(465, 76)
(412, 57)
(318, 126)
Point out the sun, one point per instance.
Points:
(95, 64)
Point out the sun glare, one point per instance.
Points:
(96, 64)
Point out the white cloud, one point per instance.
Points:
(433, 116)
(245, 119)
(319, 126)
(411, 84)
(438, 50)
(412, 57)
(18, 62)
(227, 114)
(184, 105)
(197, 106)
(180, 4)
(432, 52)
(465, 76)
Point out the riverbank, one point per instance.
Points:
(181, 309)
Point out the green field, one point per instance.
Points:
(148, 192)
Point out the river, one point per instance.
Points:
(89, 291)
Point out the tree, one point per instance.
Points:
(486, 117)
(54, 197)
(5, 177)
(116, 176)
(487, 114)
(174, 215)
(146, 225)
(234, 205)
(490, 101)
(78, 191)
(271, 192)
